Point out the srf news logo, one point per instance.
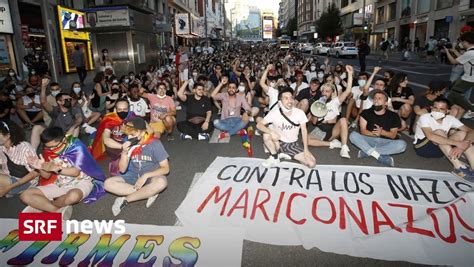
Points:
(49, 227)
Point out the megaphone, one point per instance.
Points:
(319, 108)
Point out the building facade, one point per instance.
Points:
(306, 20)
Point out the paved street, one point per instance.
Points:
(187, 158)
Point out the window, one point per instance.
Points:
(440, 4)
(392, 11)
(406, 8)
(423, 6)
(346, 2)
(380, 15)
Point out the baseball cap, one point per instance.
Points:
(137, 123)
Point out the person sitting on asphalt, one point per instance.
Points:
(81, 100)
(269, 87)
(68, 173)
(439, 134)
(402, 97)
(286, 121)
(299, 84)
(198, 123)
(138, 104)
(231, 121)
(29, 108)
(378, 128)
(356, 91)
(330, 125)
(109, 136)
(163, 112)
(307, 97)
(16, 175)
(143, 167)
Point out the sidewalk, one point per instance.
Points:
(66, 80)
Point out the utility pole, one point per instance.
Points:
(49, 39)
(363, 19)
(205, 20)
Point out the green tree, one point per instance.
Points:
(291, 26)
(329, 24)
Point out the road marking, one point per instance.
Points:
(420, 73)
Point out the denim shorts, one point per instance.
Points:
(19, 189)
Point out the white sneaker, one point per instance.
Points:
(251, 119)
(283, 156)
(66, 212)
(117, 206)
(270, 162)
(345, 152)
(89, 129)
(468, 115)
(335, 144)
(151, 200)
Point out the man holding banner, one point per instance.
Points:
(283, 135)
(435, 138)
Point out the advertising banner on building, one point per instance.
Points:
(107, 16)
(267, 29)
(181, 22)
(138, 245)
(419, 216)
(5, 17)
(197, 26)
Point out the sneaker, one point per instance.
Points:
(353, 125)
(169, 137)
(468, 115)
(118, 205)
(203, 136)
(362, 155)
(345, 152)
(242, 132)
(251, 119)
(89, 129)
(185, 137)
(283, 156)
(464, 173)
(257, 132)
(335, 144)
(151, 200)
(386, 160)
(270, 162)
(66, 212)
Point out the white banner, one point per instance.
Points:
(182, 23)
(5, 17)
(153, 245)
(383, 213)
(107, 16)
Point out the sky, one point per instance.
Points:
(272, 5)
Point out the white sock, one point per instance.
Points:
(375, 154)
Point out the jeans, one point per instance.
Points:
(231, 125)
(381, 145)
(362, 62)
(82, 73)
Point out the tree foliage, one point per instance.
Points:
(330, 23)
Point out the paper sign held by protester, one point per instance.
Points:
(383, 213)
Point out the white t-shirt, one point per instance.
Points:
(303, 85)
(287, 131)
(333, 109)
(140, 107)
(273, 96)
(356, 93)
(467, 59)
(310, 75)
(427, 121)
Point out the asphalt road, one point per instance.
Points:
(190, 157)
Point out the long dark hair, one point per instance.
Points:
(11, 127)
(396, 81)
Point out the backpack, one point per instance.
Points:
(367, 50)
(384, 46)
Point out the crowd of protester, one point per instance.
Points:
(127, 116)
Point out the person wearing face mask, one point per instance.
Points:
(16, 175)
(299, 84)
(433, 139)
(143, 168)
(356, 91)
(231, 122)
(163, 112)
(311, 73)
(101, 90)
(80, 99)
(244, 90)
(115, 94)
(106, 60)
(269, 87)
(378, 128)
(138, 105)
(281, 139)
(332, 127)
(29, 108)
(12, 78)
(402, 97)
(109, 136)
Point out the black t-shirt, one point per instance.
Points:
(5, 105)
(387, 121)
(305, 94)
(405, 94)
(424, 103)
(65, 120)
(197, 108)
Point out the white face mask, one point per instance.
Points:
(272, 84)
(11, 74)
(283, 107)
(320, 75)
(195, 74)
(105, 54)
(242, 65)
(55, 93)
(161, 96)
(126, 80)
(312, 68)
(241, 89)
(361, 82)
(437, 115)
(76, 90)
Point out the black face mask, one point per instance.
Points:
(31, 94)
(378, 108)
(122, 114)
(133, 141)
(67, 104)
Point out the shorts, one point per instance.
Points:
(158, 127)
(20, 189)
(131, 177)
(52, 191)
(291, 149)
(427, 149)
(327, 128)
(32, 114)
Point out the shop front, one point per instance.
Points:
(7, 58)
(70, 21)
